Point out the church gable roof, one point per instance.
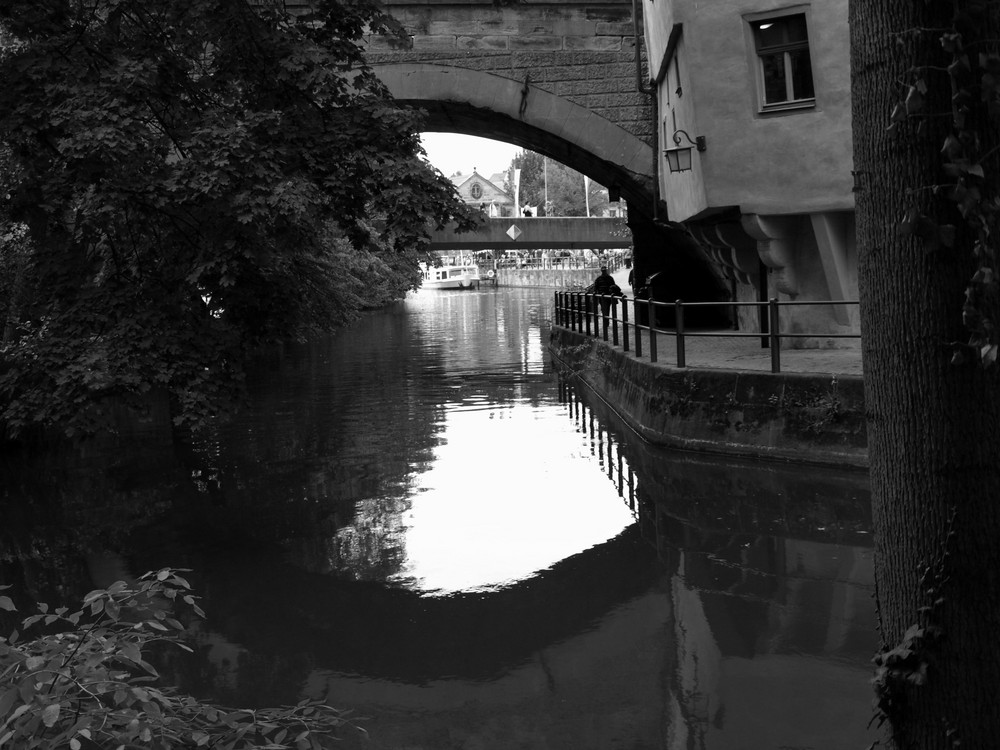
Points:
(476, 188)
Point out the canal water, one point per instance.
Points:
(421, 519)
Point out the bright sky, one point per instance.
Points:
(451, 152)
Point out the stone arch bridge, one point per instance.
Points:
(559, 77)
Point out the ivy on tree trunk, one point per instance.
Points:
(925, 131)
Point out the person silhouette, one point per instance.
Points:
(603, 287)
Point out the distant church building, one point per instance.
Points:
(476, 190)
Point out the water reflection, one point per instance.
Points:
(478, 522)
(420, 519)
(769, 581)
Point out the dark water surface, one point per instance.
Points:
(420, 519)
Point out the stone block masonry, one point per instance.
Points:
(574, 75)
(570, 49)
(554, 278)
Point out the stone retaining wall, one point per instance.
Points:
(555, 278)
(786, 416)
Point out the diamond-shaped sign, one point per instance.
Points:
(514, 232)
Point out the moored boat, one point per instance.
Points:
(451, 277)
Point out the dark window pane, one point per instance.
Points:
(780, 31)
(769, 34)
(773, 67)
(795, 28)
(802, 79)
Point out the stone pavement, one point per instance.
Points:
(747, 354)
(739, 353)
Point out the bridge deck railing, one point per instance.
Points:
(569, 264)
(598, 315)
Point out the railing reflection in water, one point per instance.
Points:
(768, 574)
(740, 497)
(653, 523)
(603, 446)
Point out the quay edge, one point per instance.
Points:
(805, 418)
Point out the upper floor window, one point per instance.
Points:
(783, 69)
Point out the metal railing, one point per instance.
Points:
(532, 264)
(597, 315)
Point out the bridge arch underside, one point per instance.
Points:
(472, 102)
(459, 117)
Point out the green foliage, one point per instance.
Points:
(969, 185)
(90, 684)
(906, 666)
(196, 179)
(532, 188)
(565, 187)
(15, 249)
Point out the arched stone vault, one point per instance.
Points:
(465, 101)
(474, 102)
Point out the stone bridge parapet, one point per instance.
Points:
(582, 52)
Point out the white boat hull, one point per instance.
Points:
(451, 277)
(452, 284)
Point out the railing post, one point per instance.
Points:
(625, 324)
(588, 303)
(614, 319)
(579, 312)
(652, 328)
(559, 318)
(681, 354)
(773, 334)
(604, 319)
(638, 329)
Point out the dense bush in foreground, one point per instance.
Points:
(86, 682)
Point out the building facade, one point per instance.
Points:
(476, 190)
(756, 93)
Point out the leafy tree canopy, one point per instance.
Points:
(565, 187)
(196, 179)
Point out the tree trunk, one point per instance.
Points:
(934, 426)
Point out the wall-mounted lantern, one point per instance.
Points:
(679, 157)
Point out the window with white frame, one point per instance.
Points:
(784, 73)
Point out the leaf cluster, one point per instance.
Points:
(87, 682)
(192, 177)
(909, 664)
(970, 183)
(566, 187)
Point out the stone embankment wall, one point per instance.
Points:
(554, 278)
(787, 416)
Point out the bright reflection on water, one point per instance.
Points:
(484, 521)
(419, 519)
(488, 506)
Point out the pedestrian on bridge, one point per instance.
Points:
(604, 286)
